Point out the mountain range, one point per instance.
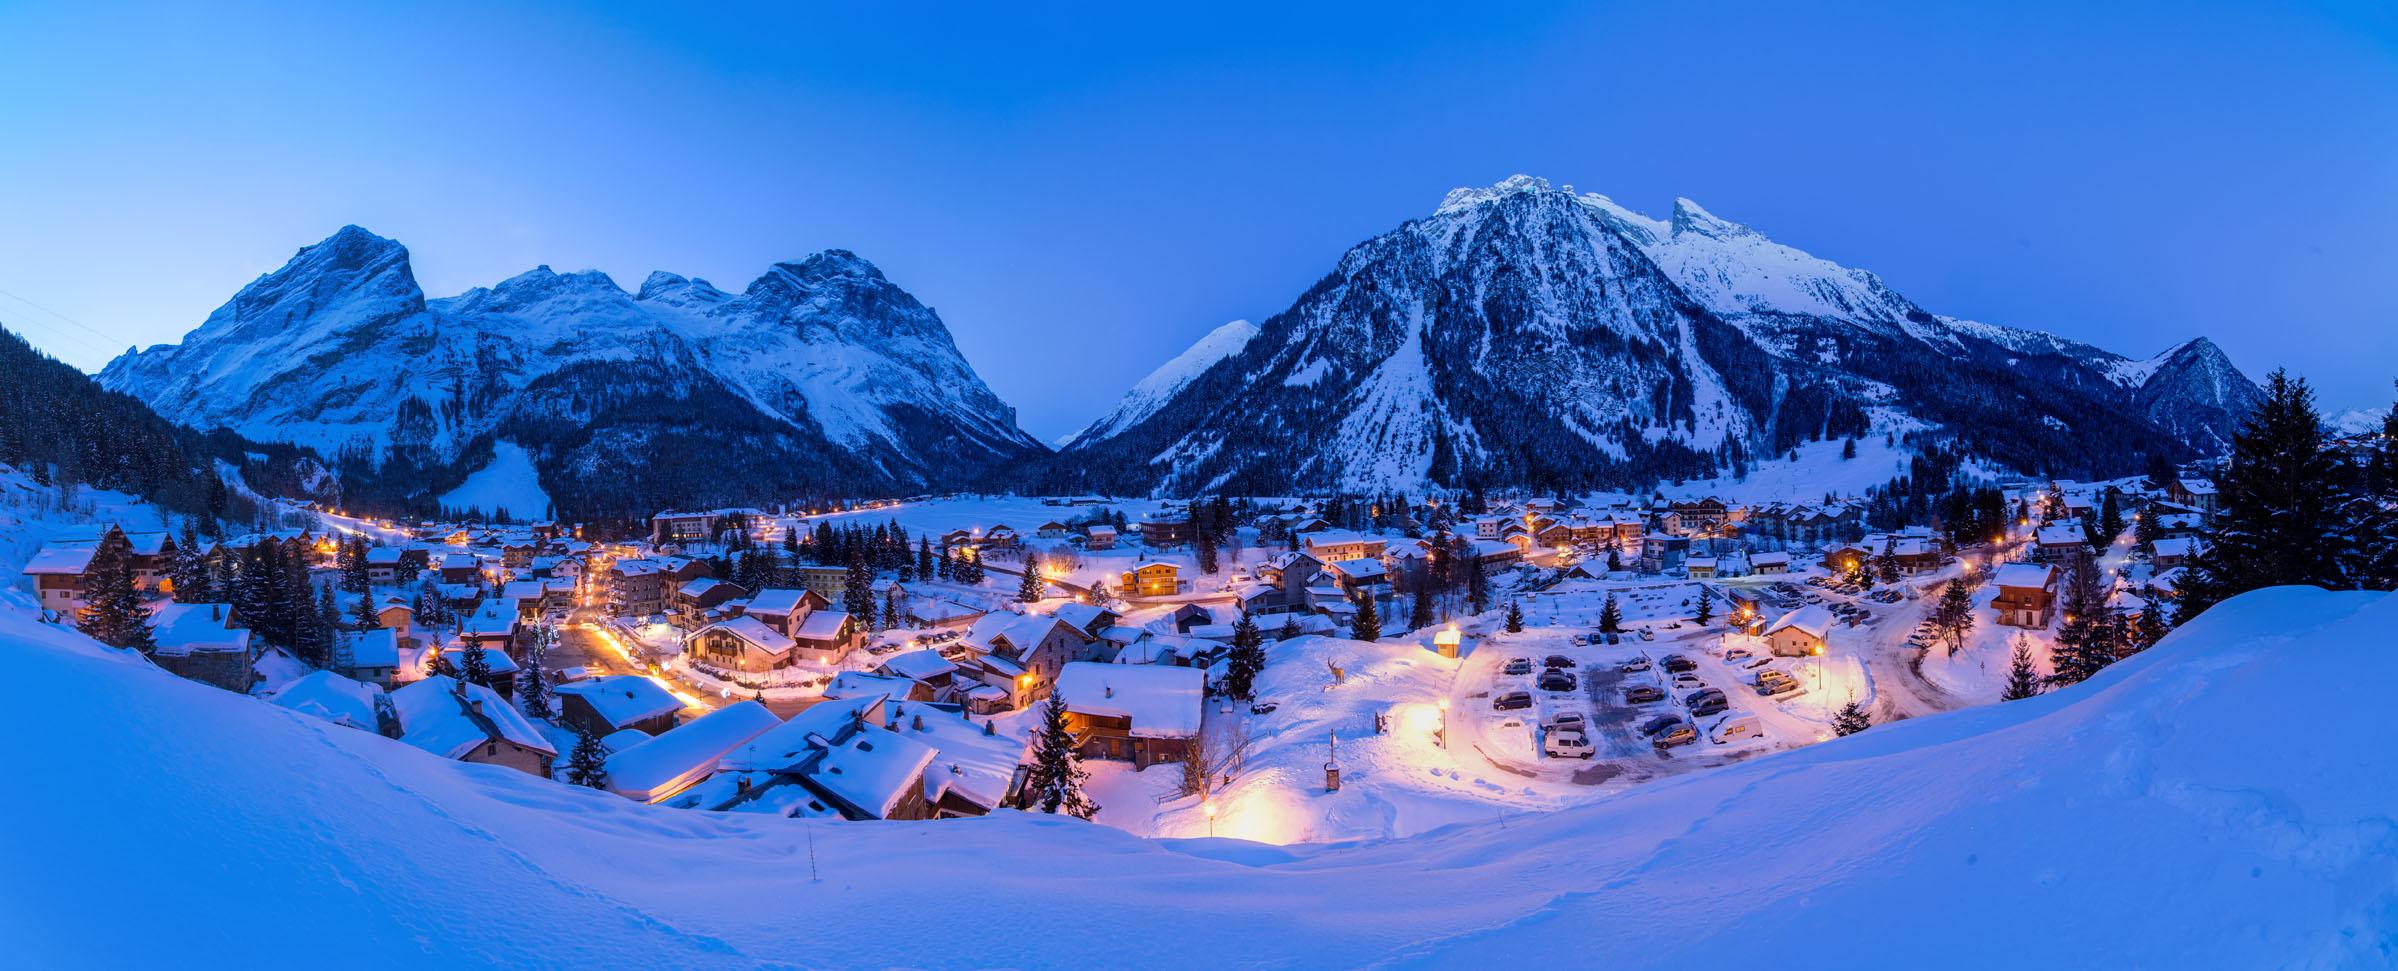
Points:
(820, 378)
(1520, 335)
(1526, 335)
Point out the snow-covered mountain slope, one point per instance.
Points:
(1523, 334)
(1160, 386)
(821, 362)
(2151, 804)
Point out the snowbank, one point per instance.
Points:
(2152, 804)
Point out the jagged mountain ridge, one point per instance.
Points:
(1565, 340)
(821, 377)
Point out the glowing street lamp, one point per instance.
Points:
(1444, 724)
(1210, 807)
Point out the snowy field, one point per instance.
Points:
(2144, 802)
(509, 482)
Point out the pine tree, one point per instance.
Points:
(1611, 617)
(113, 613)
(189, 571)
(1248, 657)
(1055, 783)
(1953, 615)
(1848, 449)
(533, 683)
(1706, 608)
(1615, 558)
(1205, 539)
(2082, 648)
(857, 592)
(318, 633)
(1290, 628)
(2023, 681)
(474, 665)
(1419, 615)
(1851, 719)
(2278, 519)
(1477, 589)
(354, 576)
(1368, 625)
(441, 666)
(1515, 617)
(1886, 565)
(363, 612)
(1030, 586)
(924, 557)
(588, 766)
(2149, 629)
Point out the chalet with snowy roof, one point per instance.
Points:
(1099, 537)
(859, 684)
(2027, 594)
(1800, 633)
(2057, 542)
(1022, 654)
(470, 723)
(742, 644)
(461, 568)
(826, 636)
(923, 665)
(1152, 579)
(702, 602)
(615, 703)
(656, 770)
(1138, 713)
(864, 759)
(2165, 554)
(636, 588)
(368, 656)
(1766, 564)
(2196, 494)
(1359, 577)
(495, 625)
(1087, 618)
(1001, 535)
(326, 695)
(57, 571)
(206, 643)
(1167, 529)
(1333, 546)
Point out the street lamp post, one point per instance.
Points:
(1210, 807)
(1444, 724)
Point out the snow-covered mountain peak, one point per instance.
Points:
(1461, 199)
(677, 290)
(1160, 386)
(1690, 217)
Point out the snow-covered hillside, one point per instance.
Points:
(2154, 805)
(1522, 334)
(821, 364)
(1160, 386)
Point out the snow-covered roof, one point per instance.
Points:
(774, 601)
(1162, 701)
(754, 631)
(686, 754)
(1362, 568)
(378, 648)
(821, 625)
(2175, 546)
(179, 629)
(434, 719)
(919, 665)
(859, 684)
(786, 745)
(2063, 534)
(1813, 620)
(62, 559)
(331, 697)
(1081, 615)
(872, 769)
(460, 561)
(2025, 575)
(382, 555)
(623, 699)
(1763, 559)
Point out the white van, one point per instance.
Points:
(1731, 729)
(1568, 745)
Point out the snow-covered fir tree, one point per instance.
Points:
(587, 766)
(1367, 625)
(1611, 617)
(1055, 783)
(2282, 507)
(113, 612)
(1248, 657)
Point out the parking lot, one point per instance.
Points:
(1514, 739)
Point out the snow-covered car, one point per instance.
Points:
(1568, 745)
(1655, 726)
(1677, 664)
(1680, 734)
(1635, 665)
(1565, 721)
(1642, 694)
(1688, 682)
(1557, 681)
(1714, 704)
(1646, 634)
(1734, 729)
(1512, 701)
(1518, 667)
(1737, 654)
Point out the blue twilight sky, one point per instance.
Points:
(1107, 186)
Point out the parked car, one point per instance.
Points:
(1647, 634)
(1734, 729)
(1737, 654)
(1641, 694)
(1657, 726)
(1688, 682)
(1568, 745)
(1635, 665)
(1680, 734)
(1519, 667)
(1557, 681)
(1512, 701)
(1677, 664)
(1565, 721)
(1714, 704)
(1555, 662)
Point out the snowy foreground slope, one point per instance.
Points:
(2156, 816)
